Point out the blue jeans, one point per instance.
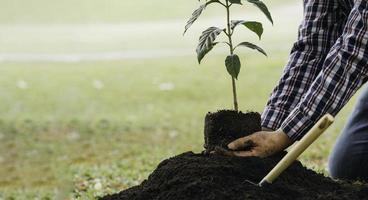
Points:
(349, 159)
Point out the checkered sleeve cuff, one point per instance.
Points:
(272, 118)
(296, 124)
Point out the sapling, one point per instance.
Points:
(208, 38)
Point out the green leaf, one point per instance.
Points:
(197, 13)
(235, 1)
(206, 41)
(235, 23)
(252, 46)
(255, 27)
(233, 65)
(263, 8)
(194, 17)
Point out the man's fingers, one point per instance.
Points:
(245, 153)
(241, 143)
(236, 144)
(222, 151)
(248, 145)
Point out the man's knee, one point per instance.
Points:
(335, 169)
(348, 167)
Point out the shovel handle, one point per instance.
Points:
(299, 148)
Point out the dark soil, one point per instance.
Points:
(191, 176)
(223, 127)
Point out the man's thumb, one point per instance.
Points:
(237, 144)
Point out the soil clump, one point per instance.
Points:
(205, 176)
(192, 176)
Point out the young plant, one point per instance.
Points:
(208, 38)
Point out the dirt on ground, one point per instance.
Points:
(192, 176)
(205, 176)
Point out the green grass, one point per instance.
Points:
(93, 11)
(82, 130)
(62, 136)
(96, 11)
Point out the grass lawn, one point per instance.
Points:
(79, 130)
(97, 11)
(84, 130)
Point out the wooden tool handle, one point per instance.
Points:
(299, 148)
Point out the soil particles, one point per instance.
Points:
(206, 176)
(210, 177)
(224, 126)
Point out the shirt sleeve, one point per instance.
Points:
(322, 25)
(344, 71)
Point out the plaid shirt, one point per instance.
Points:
(327, 65)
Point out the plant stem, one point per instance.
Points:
(229, 35)
(234, 95)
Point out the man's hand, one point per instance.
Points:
(261, 144)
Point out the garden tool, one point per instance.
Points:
(296, 150)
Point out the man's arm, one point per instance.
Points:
(321, 27)
(345, 70)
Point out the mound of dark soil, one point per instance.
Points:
(192, 176)
(206, 176)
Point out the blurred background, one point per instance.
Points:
(94, 94)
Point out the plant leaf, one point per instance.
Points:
(252, 46)
(235, 23)
(197, 13)
(254, 26)
(233, 65)
(206, 41)
(263, 8)
(194, 17)
(235, 1)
